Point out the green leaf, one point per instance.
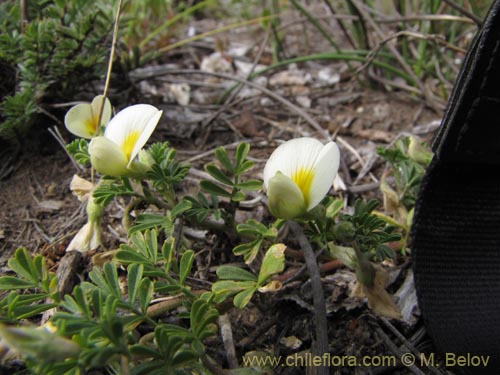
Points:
(12, 282)
(25, 312)
(226, 288)
(252, 185)
(150, 221)
(168, 254)
(248, 250)
(383, 251)
(216, 173)
(134, 278)
(243, 298)
(346, 254)
(333, 208)
(238, 196)
(202, 317)
(79, 149)
(222, 156)
(180, 208)
(235, 273)
(144, 351)
(273, 263)
(22, 264)
(146, 289)
(111, 276)
(231, 286)
(185, 265)
(126, 255)
(150, 239)
(252, 228)
(109, 189)
(245, 166)
(211, 188)
(241, 153)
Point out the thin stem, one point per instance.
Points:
(124, 365)
(478, 21)
(110, 63)
(108, 75)
(216, 31)
(321, 326)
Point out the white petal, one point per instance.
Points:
(80, 187)
(138, 121)
(79, 121)
(325, 167)
(96, 109)
(291, 156)
(146, 133)
(87, 238)
(285, 198)
(81, 241)
(107, 157)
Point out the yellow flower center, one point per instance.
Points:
(129, 143)
(303, 178)
(91, 125)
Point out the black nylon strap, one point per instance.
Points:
(456, 229)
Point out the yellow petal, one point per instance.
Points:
(303, 178)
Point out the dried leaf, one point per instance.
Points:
(50, 205)
(379, 300)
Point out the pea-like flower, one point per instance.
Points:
(298, 175)
(114, 153)
(82, 119)
(89, 236)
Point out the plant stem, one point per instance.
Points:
(110, 62)
(321, 326)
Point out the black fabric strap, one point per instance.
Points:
(456, 229)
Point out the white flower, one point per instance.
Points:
(298, 175)
(89, 236)
(81, 120)
(81, 188)
(114, 153)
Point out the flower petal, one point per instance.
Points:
(146, 133)
(81, 187)
(131, 128)
(96, 109)
(87, 238)
(325, 168)
(79, 121)
(107, 157)
(285, 198)
(292, 156)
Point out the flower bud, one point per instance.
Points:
(344, 231)
(418, 153)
